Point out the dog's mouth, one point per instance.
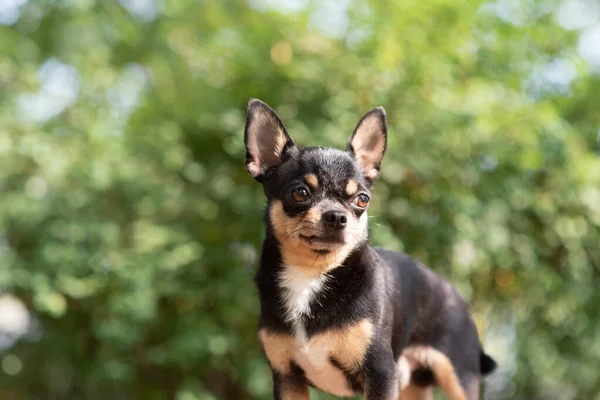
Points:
(325, 239)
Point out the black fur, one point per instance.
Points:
(488, 365)
(409, 304)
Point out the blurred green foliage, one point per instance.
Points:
(129, 228)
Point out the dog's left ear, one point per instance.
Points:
(267, 142)
(368, 142)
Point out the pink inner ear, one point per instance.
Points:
(266, 141)
(368, 136)
(369, 144)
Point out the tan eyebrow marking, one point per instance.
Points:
(312, 180)
(351, 187)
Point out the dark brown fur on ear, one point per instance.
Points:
(267, 141)
(368, 142)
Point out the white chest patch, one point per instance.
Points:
(299, 289)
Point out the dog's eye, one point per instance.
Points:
(362, 200)
(300, 195)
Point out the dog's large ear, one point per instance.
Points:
(368, 142)
(267, 142)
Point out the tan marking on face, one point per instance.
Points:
(278, 348)
(347, 345)
(297, 252)
(312, 180)
(351, 187)
(313, 216)
(440, 365)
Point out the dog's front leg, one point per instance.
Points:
(381, 375)
(286, 387)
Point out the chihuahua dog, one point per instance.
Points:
(335, 313)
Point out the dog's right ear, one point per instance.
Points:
(267, 142)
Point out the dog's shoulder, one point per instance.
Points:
(395, 257)
(413, 281)
(408, 268)
(405, 268)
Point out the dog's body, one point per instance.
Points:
(335, 313)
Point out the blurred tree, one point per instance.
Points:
(129, 228)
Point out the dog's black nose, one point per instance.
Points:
(335, 219)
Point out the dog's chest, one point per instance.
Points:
(314, 354)
(299, 290)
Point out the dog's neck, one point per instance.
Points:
(298, 287)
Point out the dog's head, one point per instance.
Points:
(317, 197)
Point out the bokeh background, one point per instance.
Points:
(129, 228)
